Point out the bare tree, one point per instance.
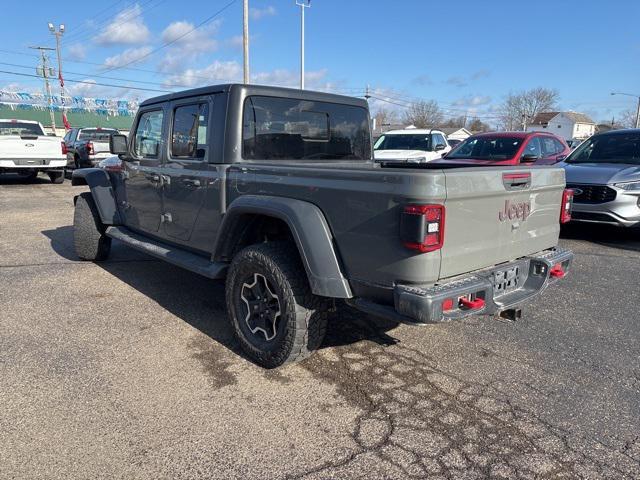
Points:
(627, 119)
(520, 108)
(423, 114)
(385, 117)
(477, 125)
(455, 122)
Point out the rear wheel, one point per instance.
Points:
(88, 231)
(275, 317)
(56, 177)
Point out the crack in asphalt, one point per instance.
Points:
(418, 420)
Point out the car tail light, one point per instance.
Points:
(422, 227)
(557, 271)
(64, 148)
(567, 203)
(90, 149)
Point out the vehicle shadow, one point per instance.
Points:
(15, 179)
(605, 235)
(200, 302)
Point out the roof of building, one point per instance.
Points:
(450, 130)
(546, 117)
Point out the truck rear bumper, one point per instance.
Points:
(484, 292)
(33, 163)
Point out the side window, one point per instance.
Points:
(189, 132)
(559, 145)
(533, 147)
(67, 137)
(548, 146)
(440, 140)
(148, 135)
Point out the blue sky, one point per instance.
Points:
(467, 55)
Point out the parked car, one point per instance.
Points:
(26, 150)
(416, 145)
(509, 148)
(454, 142)
(604, 174)
(87, 146)
(276, 190)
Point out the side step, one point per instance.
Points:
(169, 253)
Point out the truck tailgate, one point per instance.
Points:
(14, 147)
(495, 215)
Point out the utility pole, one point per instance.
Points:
(302, 4)
(59, 34)
(638, 108)
(45, 71)
(245, 39)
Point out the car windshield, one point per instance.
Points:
(616, 148)
(20, 128)
(487, 148)
(98, 135)
(403, 142)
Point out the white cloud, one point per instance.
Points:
(235, 41)
(189, 43)
(127, 28)
(77, 51)
(217, 72)
(473, 101)
(456, 81)
(128, 56)
(258, 13)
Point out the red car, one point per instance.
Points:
(509, 148)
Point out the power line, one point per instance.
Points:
(20, 74)
(180, 37)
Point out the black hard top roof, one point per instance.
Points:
(259, 90)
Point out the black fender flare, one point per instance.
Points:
(102, 192)
(310, 231)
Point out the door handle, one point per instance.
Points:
(191, 182)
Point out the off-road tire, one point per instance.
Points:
(303, 318)
(88, 231)
(56, 177)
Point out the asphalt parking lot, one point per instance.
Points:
(128, 369)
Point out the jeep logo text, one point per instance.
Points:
(514, 210)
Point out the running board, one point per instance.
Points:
(169, 253)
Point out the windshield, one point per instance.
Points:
(616, 148)
(487, 148)
(403, 142)
(20, 128)
(101, 135)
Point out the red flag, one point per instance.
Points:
(61, 79)
(67, 125)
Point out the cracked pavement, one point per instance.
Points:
(128, 369)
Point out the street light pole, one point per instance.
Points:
(58, 33)
(638, 108)
(245, 39)
(302, 4)
(46, 72)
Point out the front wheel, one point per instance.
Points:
(275, 317)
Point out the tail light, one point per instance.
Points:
(64, 148)
(567, 203)
(422, 227)
(90, 149)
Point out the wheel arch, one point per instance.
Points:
(102, 192)
(308, 228)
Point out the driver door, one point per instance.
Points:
(143, 176)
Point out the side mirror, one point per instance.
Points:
(118, 144)
(528, 158)
(439, 147)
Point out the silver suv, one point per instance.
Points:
(604, 173)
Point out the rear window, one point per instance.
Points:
(404, 141)
(20, 128)
(487, 148)
(97, 135)
(284, 128)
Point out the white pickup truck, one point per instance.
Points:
(411, 145)
(26, 150)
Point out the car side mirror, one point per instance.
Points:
(118, 144)
(439, 147)
(528, 158)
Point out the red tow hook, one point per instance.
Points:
(472, 304)
(557, 271)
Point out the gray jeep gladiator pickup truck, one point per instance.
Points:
(276, 190)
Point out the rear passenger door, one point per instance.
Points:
(187, 174)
